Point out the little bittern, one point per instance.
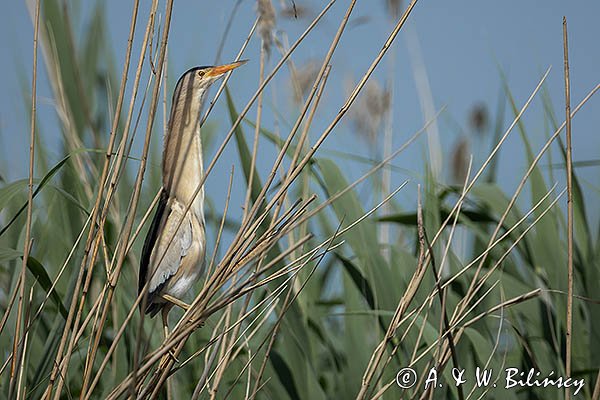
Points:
(173, 254)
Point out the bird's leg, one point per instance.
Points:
(165, 321)
(176, 301)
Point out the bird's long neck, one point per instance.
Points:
(182, 159)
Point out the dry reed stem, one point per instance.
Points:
(453, 228)
(124, 150)
(492, 153)
(424, 241)
(21, 390)
(228, 329)
(18, 349)
(515, 300)
(272, 337)
(259, 107)
(403, 303)
(209, 358)
(507, 252)
(486, 251)
(492, 352)
(440, 291)
(229, 351)
(596, 394)
(63, 110)
(270, 240)
(221, 278)
(224, 358)
(11, 303)
(166, 371)
(569, 327)
(226, 78)
(507, 234)
(221, 88)
(320, 82)
(348, 103)
(147, 36)
(221, 226)
(456, 215)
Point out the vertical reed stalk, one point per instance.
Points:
(569, 328)
(18, 342)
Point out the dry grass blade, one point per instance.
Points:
(259, 108)
(226, 79)
(596, 394)
(569, 327)
(20, 349)
(221, 226)
(403, 303)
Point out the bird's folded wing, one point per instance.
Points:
(171, 246)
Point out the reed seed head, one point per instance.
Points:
(266, 22)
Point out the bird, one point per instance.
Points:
(173, 254)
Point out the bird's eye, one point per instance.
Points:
(201, 73)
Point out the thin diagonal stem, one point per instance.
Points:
(27, 245)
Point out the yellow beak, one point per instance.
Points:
(222, 69)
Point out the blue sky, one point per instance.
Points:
(462, 46)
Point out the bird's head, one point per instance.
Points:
(196, 80)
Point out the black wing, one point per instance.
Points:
(149, 245)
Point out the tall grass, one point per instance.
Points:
(304, 297)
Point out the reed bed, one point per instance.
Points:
(311, 290)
